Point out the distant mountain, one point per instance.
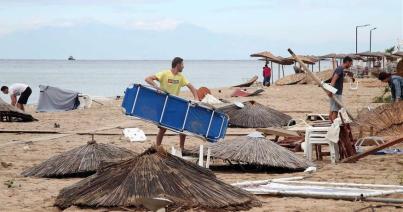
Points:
(99, 41)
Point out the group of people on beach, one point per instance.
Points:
(172, 80)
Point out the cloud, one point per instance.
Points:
(162, 24)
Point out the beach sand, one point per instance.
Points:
(38, 194)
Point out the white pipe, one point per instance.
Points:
(201, 156)
(338, 184)
(208, 157)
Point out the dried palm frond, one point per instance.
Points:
(255, 150)
(385, 120)
(155, 174)
(81, 161)
(254, 115)
(11, 113)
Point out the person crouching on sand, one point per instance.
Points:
(18, 89)
(395, 83)
(171, 81)
(337, 82)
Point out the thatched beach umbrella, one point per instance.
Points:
(11, 113)
(81, 161)
(254, 115)
(399, 53)
(385, 120)
(291, 79)
(255, 149)
(156, 174)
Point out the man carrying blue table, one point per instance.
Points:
(171, 81)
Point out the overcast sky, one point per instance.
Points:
(308, 26)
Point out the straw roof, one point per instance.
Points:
(267, 55)
(399, 53)
(306, 59)
(80, 161)
(254, 149)
(11, 113)
(291, 79)
(254, 115)
(156, 174)
(341, 56)
(386, 120)
(371, 54)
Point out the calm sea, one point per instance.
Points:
(109, 78)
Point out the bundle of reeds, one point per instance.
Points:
(78, 162)
(155, 174)
(385, 120)
(325, 76)
(256, 151)
(9, 113)
(254, 115)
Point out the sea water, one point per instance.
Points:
(109, 78)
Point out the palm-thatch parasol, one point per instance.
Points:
(385, 120)
(81, 161)
(325, 76)
(267, 55)
(254, 149)
(291, 79)
(155, 174)
(399, 53)
(254, 115)
(11, 113)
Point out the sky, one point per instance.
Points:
(208, 29)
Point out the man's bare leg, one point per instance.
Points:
(182, 138)
(20, 106)
(160, 135)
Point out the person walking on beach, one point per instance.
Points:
(395, 83)
(266, 75)
(15, 90)
(171, 81)
(337, 82)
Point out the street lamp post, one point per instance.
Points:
(370, 38)
(356, 36)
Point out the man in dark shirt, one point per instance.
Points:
(337, 82)
(395, 83)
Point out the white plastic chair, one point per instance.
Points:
(318, 135)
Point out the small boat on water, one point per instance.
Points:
(71, 58)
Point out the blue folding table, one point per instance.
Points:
(174, 113)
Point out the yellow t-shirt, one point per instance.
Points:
(171, 83)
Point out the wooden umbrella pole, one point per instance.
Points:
(316, 79)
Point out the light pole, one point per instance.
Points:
(370, 38)
(356, 35)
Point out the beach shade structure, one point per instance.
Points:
(268, 56)
(78, 162)
(243, 93)
(371, 54)
(325, 76)
(254, 149)
(385, 120)
(399, 53)
(291, 79)
(53, 99)
(254, 115)
(248, 83)
(156, 174)
(9, 113)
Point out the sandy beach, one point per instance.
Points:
(23, 150)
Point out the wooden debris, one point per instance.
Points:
(372, 150)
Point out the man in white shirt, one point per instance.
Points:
(18, 89)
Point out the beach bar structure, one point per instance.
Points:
(269, 57)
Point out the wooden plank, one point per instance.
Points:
(31, 131)
(278, 132)
(372, 150)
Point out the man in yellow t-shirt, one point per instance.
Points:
(171, 81)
